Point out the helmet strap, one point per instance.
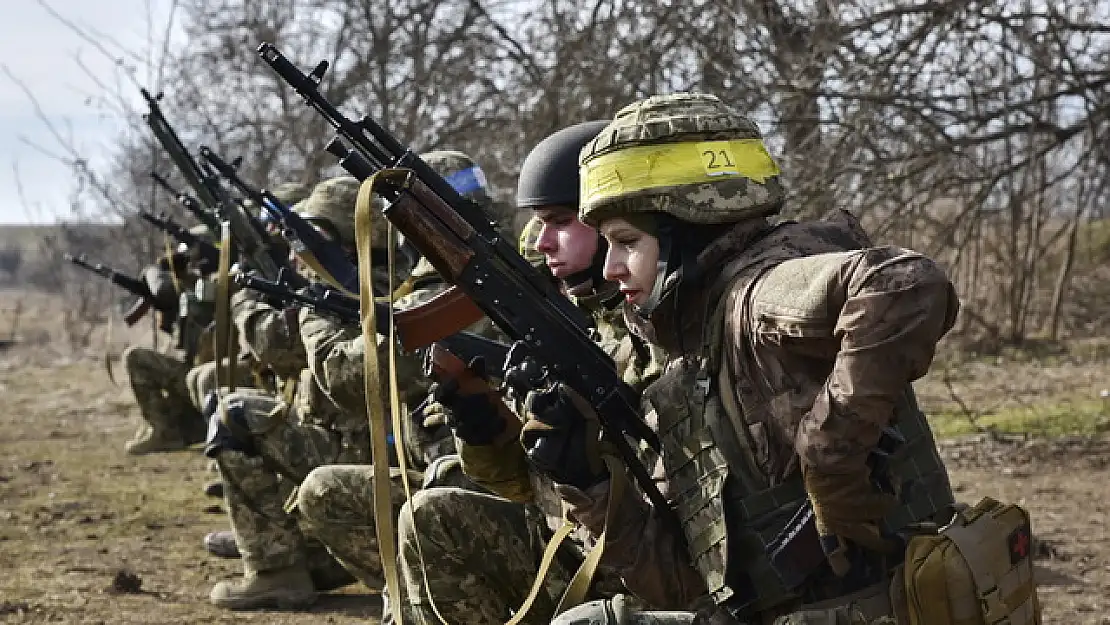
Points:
(664, 267)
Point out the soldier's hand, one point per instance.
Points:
(472, 417)
(562, 437)
(227, 429)
(848, 511)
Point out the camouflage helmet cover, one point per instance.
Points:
(688, 155)
(289, 193)
(462, 173)
(331, 205)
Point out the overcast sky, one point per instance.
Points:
(42, 52)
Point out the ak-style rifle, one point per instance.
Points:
(211, 197)
(463, 244)
(204, 250)
(132, 285)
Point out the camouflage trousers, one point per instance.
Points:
(201, 380)
(475, 555)
(257, 489)
(336, 507)
(870, 606)
(158, 382)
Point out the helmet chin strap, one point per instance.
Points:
(663, 268)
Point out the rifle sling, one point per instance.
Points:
(375, 405)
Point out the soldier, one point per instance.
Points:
(201, 379)
(336, 501)
(276, 442)
(793, 348)
(158, 380)
(476, 554)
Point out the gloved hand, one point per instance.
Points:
(474, 418)
(848, 508)
(562, 437)
(231, 433)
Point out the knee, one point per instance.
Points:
(316, 494)
(598, 612)
(417, 515)
(441, 471)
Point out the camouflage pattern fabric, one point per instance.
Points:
(336, 506)
(681, 118)
(258, 489)
(158, 383)
(290, 193)
(201, 380)
(480, 554)
(827, 341)
(467, 177)
(333, 202)
(271, 336)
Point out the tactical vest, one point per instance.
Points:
(729, 514)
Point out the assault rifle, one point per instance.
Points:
(191, 204)
(135, 286)
(303, 238)
(463, 244)
(248, 236)
(204, 250)
(465, 345)
(322, 300)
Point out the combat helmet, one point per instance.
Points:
(331, 207)
(462, 173)
(549, 174)
(289, 193)
(549, 178)
(687, 155)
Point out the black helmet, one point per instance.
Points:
(549, 175)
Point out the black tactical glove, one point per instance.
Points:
(473, 418)
(562, 437)
(233, 434)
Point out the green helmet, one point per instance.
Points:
(462, 173)
(331, 206)
(289, 193)
(687, 155)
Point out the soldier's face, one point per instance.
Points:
(567, 244)
(632, 261)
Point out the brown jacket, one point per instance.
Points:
(828, 339)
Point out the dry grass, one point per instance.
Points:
(77, 512)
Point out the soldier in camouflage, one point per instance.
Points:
(158, 380)
(336, 501)
(792, 351)
(201, 379)
(319, 418)
(476, 553)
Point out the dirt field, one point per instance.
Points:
(90, 535)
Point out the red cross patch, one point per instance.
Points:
(1020, 543)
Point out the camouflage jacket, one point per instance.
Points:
(176, 290)
(823, 343)
(507, 472)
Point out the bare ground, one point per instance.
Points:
(91, 535)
